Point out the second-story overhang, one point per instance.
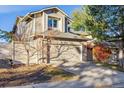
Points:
(56, 35)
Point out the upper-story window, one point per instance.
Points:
(52, 23)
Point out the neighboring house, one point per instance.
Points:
(49, 38)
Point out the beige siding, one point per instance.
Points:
(59, 53)
(29, 29)
(21, 54)
(45, 22)
(71, 52)
(39, 24)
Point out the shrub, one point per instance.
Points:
(101, 53)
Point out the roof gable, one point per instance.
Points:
(31, 13)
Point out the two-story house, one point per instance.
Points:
(49, 38)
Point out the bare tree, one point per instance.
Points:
(21, 37)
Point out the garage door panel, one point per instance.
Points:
(65, 53)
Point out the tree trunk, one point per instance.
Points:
(43, 51)
(121, 54)
(28, 58)
(13, 51)
(48, 52)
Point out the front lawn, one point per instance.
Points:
(23, 75)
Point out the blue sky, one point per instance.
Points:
(8, 13)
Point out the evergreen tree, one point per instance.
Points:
(102, 22)
(5, 35)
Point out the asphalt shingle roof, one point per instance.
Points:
(62, 35)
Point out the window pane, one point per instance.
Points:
(54, 23)
(49, 22)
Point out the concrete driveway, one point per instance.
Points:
(90, 75)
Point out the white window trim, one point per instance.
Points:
(53, 23)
